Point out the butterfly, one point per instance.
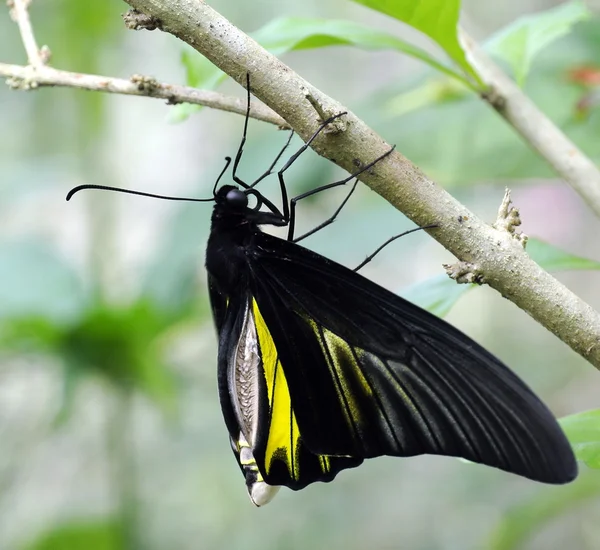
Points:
(319, 368)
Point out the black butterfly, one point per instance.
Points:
(320, 368)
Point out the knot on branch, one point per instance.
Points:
(339, 125)
(464, 273)
(18, 83)
(508, 219)
(11, 9)
(45, 54)
(494, 98)
(26, 81)
(138, 21)
(145, 84)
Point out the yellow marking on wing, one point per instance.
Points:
(342, 365)
(325, 463)
(342, 356)
(284, 435)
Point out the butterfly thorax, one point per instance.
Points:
(234, 227)
(226, 254)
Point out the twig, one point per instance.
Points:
(27, 78)
(500, 257)
(37, 74)
(21, 15)
(537, 129)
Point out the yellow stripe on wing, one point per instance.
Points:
(284, 435)
(346, 373)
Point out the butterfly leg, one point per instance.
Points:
(390, 240)
(294, 200)
(328, 221)
(292, 159)
(240, 151)
(269, 170)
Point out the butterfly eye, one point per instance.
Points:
(237, 198)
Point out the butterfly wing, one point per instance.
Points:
(256, 403)
(368, 374)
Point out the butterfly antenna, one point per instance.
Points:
(227, 163)
(131, 192)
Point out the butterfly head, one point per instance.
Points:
(232, 198)
(232, 208)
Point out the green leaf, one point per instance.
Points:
(81, 535)
(527, 519)
(286, 34)
(583, 431)
(437, 294)
(438, 19)
(31, 334)
(552, 258)
(294, 33)
(199, 73)
(521, 41)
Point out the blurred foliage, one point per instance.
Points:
(37, 282)
(91, 26)
(118, 343)
(523, 521)
(175, 490)
(465, 153)
(102, 534)
(523, 40)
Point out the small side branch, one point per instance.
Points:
(28, 78)
(20, 14)
(38, 74)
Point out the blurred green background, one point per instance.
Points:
(111, 435)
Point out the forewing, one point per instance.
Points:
(371, 374)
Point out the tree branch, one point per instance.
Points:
(498, 257)
(535, 127)
(37, 74)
